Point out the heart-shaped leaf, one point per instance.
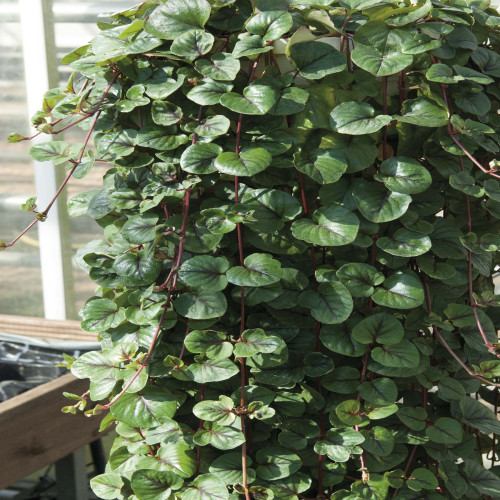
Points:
(216, 411)
(192, 44)
(256, 100)
(165, 113)
(212, 343)
(360, 279)
(381, 328)
(330, 304)
(152, 484)
(221, 66)
(172, 19)
(212, 370)
(325, 166)
(315, 60)
(201, 305)
(276, 463)
(259, 270)
(401, 290)
(404, 175)
(401, 355)
(355, 118)
(245, 164)
(423, 112)
(205, 271)
(206, 487)
(405, 243)
(255, 341)
(200, 158)
(380, 391)
(270, 24)
(378, 204)
(330, 226)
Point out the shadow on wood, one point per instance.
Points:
(35, 433)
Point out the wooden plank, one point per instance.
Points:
(35, 433)
(45, 328)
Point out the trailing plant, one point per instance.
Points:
(296, 294)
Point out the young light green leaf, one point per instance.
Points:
(107, 486)
(212, 370)
(206, 487)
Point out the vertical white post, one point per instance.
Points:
(37, 66)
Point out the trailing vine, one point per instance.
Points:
(300, 210)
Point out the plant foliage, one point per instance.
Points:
(296, 293)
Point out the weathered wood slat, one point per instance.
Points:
(45, 328)
(35, 433)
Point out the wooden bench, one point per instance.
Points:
(34, 431)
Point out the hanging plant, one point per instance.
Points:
(301, 222)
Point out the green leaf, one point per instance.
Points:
(172, 19)
(378, 440)
(205, 271)
(177, 458)
(330, 226)
(445, 431)
(165, 113)
(140, 229)
(200, 158)
(212, 370)
(419, 44)
(154, 485)
(271, 209)
(208, 342)
(339, 444)
(382, 328)
(95, 366)
(255, 341)
(404, 175)
(330, 304)
(206, 487)
(423, 112)
(276, 463)
(256, 100)
(405, 243)
(216, 411)
(378, 204)
(338, 338)
(378, 49)
(107, 486)
(201, 304)
(344, 380)
(220, 437)
(209, 92)
(442, 73)
(290, 100)
(483, 480)
(422, 479)
(213, 126)
(148, 408)
(325, 166)
(115, 145)
(349, 412)
(413, 418)
(157, 138)
(228, 468)
(101, 314)
(355, 118)
(137, 269)
(192, 44)
(259, 270)
(221, 66)
(380, 391)
(53, 151)
(245, 164)
(479, 416)
(401, 355)
(461, 181)
(401, 290)
(270, 25)
(315, 60)
(360, 279)
(250, 46)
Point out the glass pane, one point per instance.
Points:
(21, 289)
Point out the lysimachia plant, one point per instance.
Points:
(301, 209)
